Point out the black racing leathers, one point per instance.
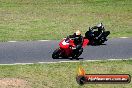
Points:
(78, 40)
(100, 32)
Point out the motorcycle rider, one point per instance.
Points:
(101, 31)
(78, 40)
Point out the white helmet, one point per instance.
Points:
(78, 32)
(100, 25)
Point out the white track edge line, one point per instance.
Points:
(123, 37)
(37, 40)
(50, 40)
(64, 62)
(43, 40)
(12, 41)
(47, 62)
(18, 64)
(108, 60)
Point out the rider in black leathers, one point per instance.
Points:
(101, 31)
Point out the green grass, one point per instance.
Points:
(62, 75)
(55, 19)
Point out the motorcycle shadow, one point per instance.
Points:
(65, 58)
(97, 44)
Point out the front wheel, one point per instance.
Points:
(56, 54)
(77, 53)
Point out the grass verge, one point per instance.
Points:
(62, 75)
(55, 19)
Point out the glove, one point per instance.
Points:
(73, 48)
(96, 38)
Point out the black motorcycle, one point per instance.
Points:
(97, 37)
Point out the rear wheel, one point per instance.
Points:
(98, 42)
(56, 54)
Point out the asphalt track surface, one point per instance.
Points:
(38, 51)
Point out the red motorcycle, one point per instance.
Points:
(66, 49)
